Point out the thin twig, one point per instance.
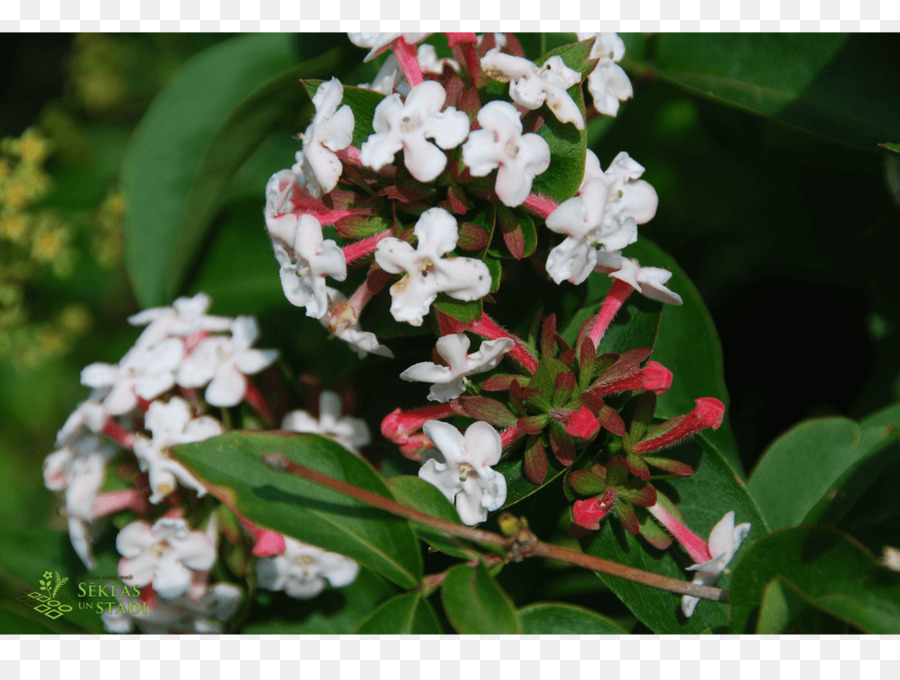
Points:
(522, 545)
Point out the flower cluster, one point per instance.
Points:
(114, 456)
(429, 180)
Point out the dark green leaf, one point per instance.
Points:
(408, 614)
(565, 619)
(801, 476)
(568, 149)
(782, 603)
(833, 571)
(467, 312)
(890, 147)
(231, 468)
(703, 499)
(419, 494)
(216, 110)
(476, 605)
(836, 85)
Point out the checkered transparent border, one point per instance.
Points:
(498, 658)
(495, 657)
(449, 15)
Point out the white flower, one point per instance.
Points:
(306, 262)
(166, 555)
(427, 272)
(389, 78)
(449, 381)
(178, 615)
(408, 125)
(186, 316)
(146, 371)
(462, 468)
(608, 83)
(351, 433)
(302, 570)
(649, 281)
(606, 211)
(79, 468)
(429, 62)
(379, 42)
(171, 424)
(224, 363)
(501, 144)
(280, 191)
(532, 86)
(341, 320)
(724, 541)
(331, 130)
(88, 414)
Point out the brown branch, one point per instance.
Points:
(523, 544)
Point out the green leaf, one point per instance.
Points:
(839, 86)
(802, 475)
(336, 611)
(568, 149)
(231, 468)
(688, 345)
(419, 494)
(467, 312)
(829, 568)
(408, 614)
(565, 619)
(213, 114)
(782, 603)
(703, 499)
(476, 605)
(890, 147)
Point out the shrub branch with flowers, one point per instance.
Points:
(439, 221)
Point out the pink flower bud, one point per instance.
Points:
(582, 424)
(709, 412)
(588, 513)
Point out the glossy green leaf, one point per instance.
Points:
(565, 619)
(408, 614)
(835, 85)
(688, 345)
(418, 494)
(703, 499)
(782, 603)
(231, 468)
(568, 149)
(802, 475)
(829, 568)
(476, 605)
(336, 611)
(190, 143)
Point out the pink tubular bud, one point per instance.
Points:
(695, 546)
(617, 296)
(488, 328)
(709, 412)
(117, 433)
(655, 378)
(540, 204)
(403, 428)
(407, 57)
(113, 501)
(267, 543)
(454, 39)
(255, 399)
(354, 251)
(588, 513)
(582, 424)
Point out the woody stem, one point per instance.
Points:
(279, 462)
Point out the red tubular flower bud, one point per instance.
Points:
(407, 57)
(588, 513)
(655, 378)
(708, 412)
(403, 428)
(617, 296)
(267, 543)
